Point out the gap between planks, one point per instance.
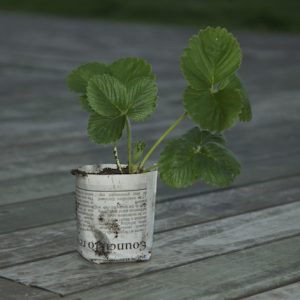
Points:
(287, 291)
(11, 290)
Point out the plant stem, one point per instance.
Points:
(162, 137)
(128, 128)
(117, 159)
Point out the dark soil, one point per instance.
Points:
(105, 171)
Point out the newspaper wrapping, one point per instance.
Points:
(115, 215)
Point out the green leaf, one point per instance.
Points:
(111, 93)
(246, 112)
(211, 56)
(78, 78)
(107, 96)
(205, 136)
(138, 150)
(85, 104)
(219, 166)
(142, 96)
(213, 111)
(105, 130)
(235, 83)
(127, 69)
(198, 154)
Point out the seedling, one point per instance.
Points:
(125, 91)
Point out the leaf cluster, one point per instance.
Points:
(112, 93)
(214, 99)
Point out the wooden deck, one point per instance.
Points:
(240, 242)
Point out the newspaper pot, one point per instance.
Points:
(115, 214)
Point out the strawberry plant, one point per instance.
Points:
(125, 91)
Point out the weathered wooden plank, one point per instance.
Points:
(67, 37)
(230, 276)
(59, 238)
(170, 212)
(37, 212)
(65, 124)
(54, 184)
(259, 48)
(257, 56)
(288, 292)
(36, 243)
(69, 273)
(64, 154)
(12, 291)
(35, 84)
(61, 155)
(43, 87)
(68, 41)
(221, 204)
(279, 106)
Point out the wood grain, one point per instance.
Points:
(57, 183)
(288, 292)
(230, 276)
(70, 273)
(64, 154)
(13, 291)
(170, 212)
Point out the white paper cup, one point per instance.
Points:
(115, 215)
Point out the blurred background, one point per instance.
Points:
(276, 15)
